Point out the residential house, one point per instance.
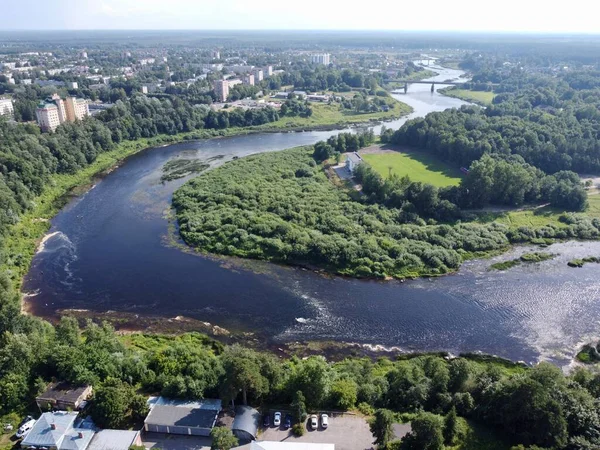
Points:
(56, 431)
(63, 396)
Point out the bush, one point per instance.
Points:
(298, 429)
(366, 409)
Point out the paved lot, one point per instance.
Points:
(347, 432)
(175, 442)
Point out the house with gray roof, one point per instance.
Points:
(195, 418)
(115, 440)
(56, 430)
(246, 423)
(353, 160)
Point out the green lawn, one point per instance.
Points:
(419, 166)
(484, 98)
(324, 114)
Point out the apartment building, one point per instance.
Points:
(248, 79)
(6, 107)
(258, 75)
(320, 58)
(54, 111)
(222, 89)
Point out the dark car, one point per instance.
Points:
(288, 421)
(267, 420)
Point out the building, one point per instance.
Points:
(248, 79)
(317, 98)
(182, 417)
(84, 55)
(6, 107)
(320, 58)
(222, 89)
(215, 54)
(246, 423)
(26, 81)
(258, 75)
(144, 89)
(77, 108)
(72, 85)
(353, 161)
(268, 71)
(282, 445)
(63, 396)
(115, 440)
(56, 430)
(54, 111)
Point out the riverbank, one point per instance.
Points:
(24, 237)
(481, 98)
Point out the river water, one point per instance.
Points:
(108, 250)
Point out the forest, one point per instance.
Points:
(282, 207)
(443, 397)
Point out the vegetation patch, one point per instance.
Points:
(526, 258)
(581, 262)
(419, 166)
(589, 354)
(180, 168)
(484, 98)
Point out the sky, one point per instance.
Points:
(574, 16)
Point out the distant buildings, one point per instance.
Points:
(6, 107)
(222, 89)
(215, 54)
(84, 55)
(268, 71)
(320, 58)
(258, 75)
(248, 79)
(54, 111)
(72, 85)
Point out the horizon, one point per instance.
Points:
(514, 16)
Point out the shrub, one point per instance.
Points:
(298, 429)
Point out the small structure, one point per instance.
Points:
(63, 396)
(246, 423)
(115, 440)
(353, 161)
(55, 430)
(183, 417)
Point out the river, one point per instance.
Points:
(108, 250)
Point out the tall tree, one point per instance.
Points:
(381, 427)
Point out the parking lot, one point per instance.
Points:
(347, 432)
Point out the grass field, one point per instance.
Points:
(419, 166)
(480, 97)
(326, 115)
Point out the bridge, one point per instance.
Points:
(433, 83)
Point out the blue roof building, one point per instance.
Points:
(55, 431)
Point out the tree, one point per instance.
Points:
(116, 404)
(426, 433)
(242, 374)
(381, 427)
(450, 427)
(343, 394)
(299, 406)
(222, 439)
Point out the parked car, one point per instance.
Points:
(314, 422)
(25, 429)
(277, 419)
(267, 421)
(287, 422)
(324, 420)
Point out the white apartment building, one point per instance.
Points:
(320, 58)
(55, 111)
(6, 107)
(268, 71)
(248, 79)
(258, 75)
(222, 89)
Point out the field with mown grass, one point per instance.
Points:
(484, 98)
(418, 166)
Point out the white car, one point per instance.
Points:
(314, 422)
(25, 429)
(277, 419)
(324, 420)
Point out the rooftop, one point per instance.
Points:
(113, 440)
(194, 414)
(63, 392)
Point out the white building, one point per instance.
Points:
(353, 161)
(6, 107)
(54, 111)
(222, 89)
(268, 71)
(248, 79)
(72, 85)
(215, 54)
(320, 58)
(258, 75)
(84, 55)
